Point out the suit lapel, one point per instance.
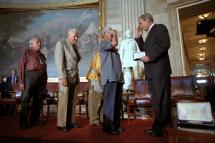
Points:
(76, 52)
(73, 50)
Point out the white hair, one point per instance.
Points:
(72, 30)
(106, 29)
(33, 39)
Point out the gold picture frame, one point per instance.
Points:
(72, 4)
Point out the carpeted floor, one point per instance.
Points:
(133, 132)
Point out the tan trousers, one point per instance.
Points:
(94, 103)
(66, 105)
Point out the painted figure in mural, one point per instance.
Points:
(67, 57)
(157, 70)
(127, 48)
(33, 80)
(111, 80)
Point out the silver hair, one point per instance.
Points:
(147, 16)
(33, 39)
(106, 29)
(72, 30)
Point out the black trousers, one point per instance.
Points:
(112, 105)
(35, 88)
(160, 88)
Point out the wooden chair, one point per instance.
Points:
(49, 101)
(130, 103)
(143, 96)
(11, 101)
(82, 100)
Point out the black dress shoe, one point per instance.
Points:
(112, 132)
(119, 130)
(97, 124)
(156, 134)
(73, 126)
(148, 131)
(38, 123)
(24, 126)
(62, 129)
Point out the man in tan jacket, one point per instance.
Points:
(67, 58)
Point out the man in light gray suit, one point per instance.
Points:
(67, 58)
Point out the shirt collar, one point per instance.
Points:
(150, 27)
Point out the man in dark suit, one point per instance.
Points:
(12, 80)
(10, 89)
(2, 87)
(157, 70)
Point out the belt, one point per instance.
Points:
(37, 70)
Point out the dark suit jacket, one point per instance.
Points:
(9, 83)
(156, 47)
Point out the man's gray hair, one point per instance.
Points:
(147, 16)
(106, 29)
(33, 39)
(72, 30)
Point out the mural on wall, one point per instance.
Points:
(50, 25)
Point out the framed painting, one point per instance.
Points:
(19, 23)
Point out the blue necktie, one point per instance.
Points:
(13, 82)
